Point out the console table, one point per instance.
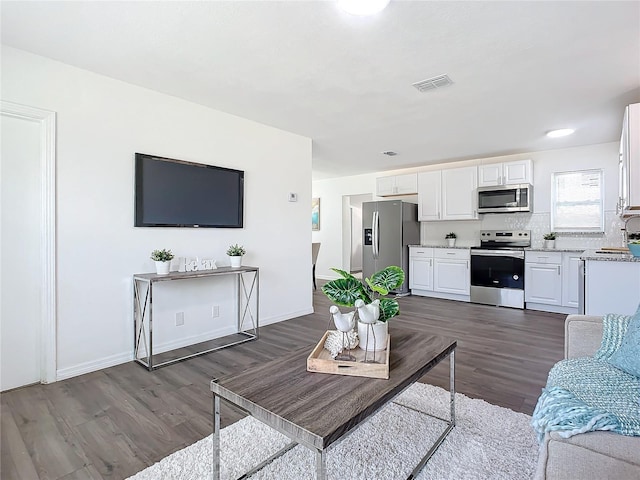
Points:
(247, 292)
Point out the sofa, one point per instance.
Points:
(601, 455)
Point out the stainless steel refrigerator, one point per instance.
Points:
(389, 227)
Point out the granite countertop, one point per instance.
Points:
(609, 257)
(568, 250)
(439, 245)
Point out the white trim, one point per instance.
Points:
(47, 121)
(282, 318)
(94, 365)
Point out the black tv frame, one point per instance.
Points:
(139, 194)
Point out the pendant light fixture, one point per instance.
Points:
(362, 7)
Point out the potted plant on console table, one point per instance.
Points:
(348, 290)
(163, 260)
(235, 253)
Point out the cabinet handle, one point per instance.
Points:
(451, 253)
(467, 262)
(431, 262)
(558, 269)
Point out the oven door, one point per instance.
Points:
(497, 277)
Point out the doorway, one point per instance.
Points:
(352, 231)
(27, 246)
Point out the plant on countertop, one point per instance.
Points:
(634, 238)
(236, 250)
(163, 255)
(450, 235)
(346, 290)
(549, 236)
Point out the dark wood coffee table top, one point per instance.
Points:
(317, 409)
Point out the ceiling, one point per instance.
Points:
(518, 69)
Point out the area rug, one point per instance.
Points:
(488, 442)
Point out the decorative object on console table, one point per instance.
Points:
(163, 260)
(634, 247)
(451, 239)
(235, 253)
(549, 240)
(344, 322)
(348, 290)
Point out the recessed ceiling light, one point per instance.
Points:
(362, 7)
(563, 132)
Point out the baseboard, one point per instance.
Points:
(113, 360)
(288, 316)
(94, 365)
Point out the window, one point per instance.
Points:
(577, 200)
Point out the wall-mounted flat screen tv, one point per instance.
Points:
(175, 193)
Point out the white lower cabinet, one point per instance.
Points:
(551, 281)
(440, 272)
(421, 268)
(611, 287)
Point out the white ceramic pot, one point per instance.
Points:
(236, 262)
(381, 332)
(549, 244)
(162, 268)
(452, 242)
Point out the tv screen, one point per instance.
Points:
(175, 193)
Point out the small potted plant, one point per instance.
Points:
(549, 240)
(451, 239)
(163, 259)
(235, 253)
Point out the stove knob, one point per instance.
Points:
(519, 234)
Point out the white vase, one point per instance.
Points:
(381, 332)
(162, 268)
(452, 242)
(236, 261)
(549, 244)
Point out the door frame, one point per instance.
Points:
(48, 305)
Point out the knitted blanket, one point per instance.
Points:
(588, 394)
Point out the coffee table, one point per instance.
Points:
(316, 409)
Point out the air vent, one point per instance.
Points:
(433, 83)
(390, 153)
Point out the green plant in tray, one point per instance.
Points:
(346, 290)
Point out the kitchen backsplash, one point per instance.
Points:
(468, 231)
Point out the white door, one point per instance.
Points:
(429, 196)
(421, 273)
(451, 276)
(459, 196)
(517, 172)
(490, 175)
(543, 283)
(20, 278)
(571, 280)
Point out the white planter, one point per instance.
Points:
(162, 268)
(549, 244)
(451, 242)
(236, 262)
(381, 332)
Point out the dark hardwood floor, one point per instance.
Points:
(115, 422)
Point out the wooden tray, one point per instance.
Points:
(320, 361)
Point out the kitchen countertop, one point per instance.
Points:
(609, 257)
(568, 250)
(466, 247)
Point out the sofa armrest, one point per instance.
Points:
(582, 335)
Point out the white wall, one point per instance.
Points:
(101, 124)
(545, 163)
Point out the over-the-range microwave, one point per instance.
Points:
(505, 198)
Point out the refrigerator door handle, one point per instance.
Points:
(375, 225)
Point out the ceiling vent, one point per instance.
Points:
(390, 153)
(433, 83)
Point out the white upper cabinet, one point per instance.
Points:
(429, 196)
(629, 166)
(507, 173)
(459, 197)
(397, 185)
(448, 194)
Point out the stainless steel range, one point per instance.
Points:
(497, 268)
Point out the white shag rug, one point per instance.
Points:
(488, 442)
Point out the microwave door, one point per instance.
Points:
(498, 199)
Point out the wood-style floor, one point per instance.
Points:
(115, 422)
